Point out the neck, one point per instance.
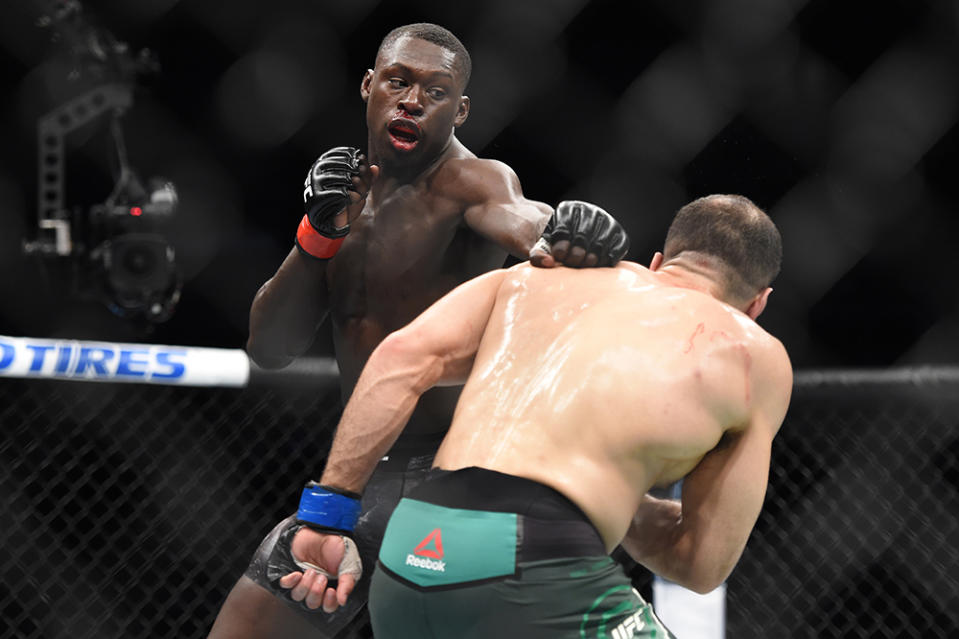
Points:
(694, 275)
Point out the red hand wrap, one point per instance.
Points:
(308, 239)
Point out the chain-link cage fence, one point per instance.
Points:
(859, 535)
(131, 510)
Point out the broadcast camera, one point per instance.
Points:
(117, 251)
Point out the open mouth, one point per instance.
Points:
(404, 134)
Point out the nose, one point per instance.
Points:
(410, 101)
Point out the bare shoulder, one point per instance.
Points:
(520, 274)
(477, 167)
(770, 352)
(633, 267)
(525, 277)
(471, 179)
(772, 373)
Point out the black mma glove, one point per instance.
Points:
(326, 193)
(589, 227)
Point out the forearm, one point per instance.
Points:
(669, 542)
(653, 532)
(287, 310)
(657, 539)
(378, 410)
(437, 348)
(529, 218)
(515, 225)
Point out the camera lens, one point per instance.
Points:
(139, 265)
(138, 261)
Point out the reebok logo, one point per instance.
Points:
(428, 553)
(436, 552)
(429, 564)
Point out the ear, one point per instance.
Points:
(462, 111)
(758, 305)
(656, 262)
(366, 84)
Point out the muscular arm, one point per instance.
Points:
(698, 541)
(287, 310)
(289, 307)
(581, 234)
(497, 209)
(435, 349)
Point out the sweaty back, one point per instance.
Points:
(584, 371)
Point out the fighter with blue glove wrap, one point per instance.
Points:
(327, 510)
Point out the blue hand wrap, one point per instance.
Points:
(321, 507)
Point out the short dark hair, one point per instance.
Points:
(438, 36)
(734, 231)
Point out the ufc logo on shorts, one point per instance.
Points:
(626, 629)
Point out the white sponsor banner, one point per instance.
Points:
(114, 362)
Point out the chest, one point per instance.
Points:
(402, 254)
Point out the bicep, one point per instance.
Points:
(287, 310)
(515, 226)
(723, 495)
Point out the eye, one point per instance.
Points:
(397, 83)
(436, 93)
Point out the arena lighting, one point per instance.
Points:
(116, 251)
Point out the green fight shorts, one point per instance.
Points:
(478, 554)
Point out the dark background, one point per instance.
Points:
(838, 117)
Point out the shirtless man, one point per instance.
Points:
(583, 390)
(383, 238)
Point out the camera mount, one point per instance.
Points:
(118, 245)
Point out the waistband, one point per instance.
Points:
(418, 442)
(549, 525)
(412, 453)
(540, 539)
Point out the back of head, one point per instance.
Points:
(735, 236)
(437, 35)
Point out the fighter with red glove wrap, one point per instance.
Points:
(326, 194)
(424, 214)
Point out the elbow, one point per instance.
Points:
(402, 353)
(704, 584)
(264, 352)
(272, 343)
(704, 577)
(264, 357)
(698, 571)
(261, 350)
(697, 581)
